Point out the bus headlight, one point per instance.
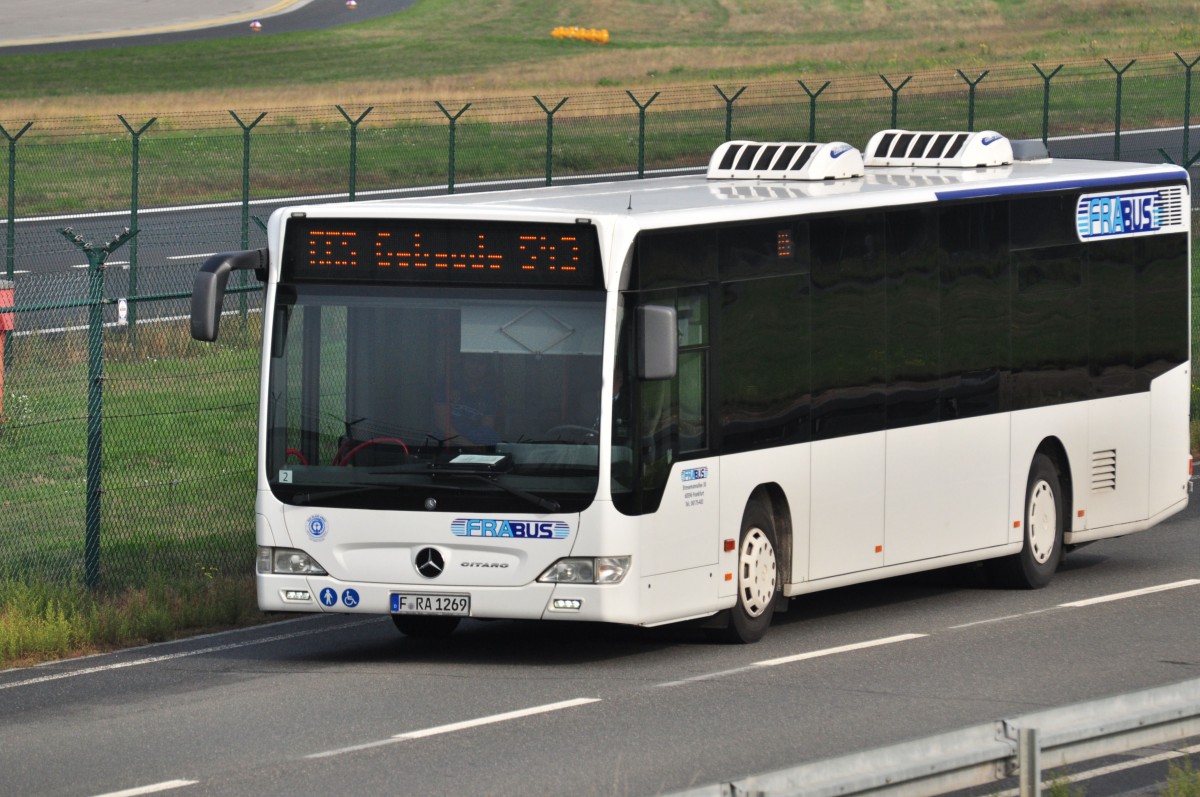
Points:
(288, 561)
(587, 570)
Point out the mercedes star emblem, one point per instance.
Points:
(430, 563)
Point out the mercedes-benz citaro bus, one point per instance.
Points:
(694, 397)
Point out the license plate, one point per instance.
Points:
(425, 603)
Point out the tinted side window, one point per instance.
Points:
(975, 350)
(1112, 328)
(763, 249)
(764, 368)
(1161, 296)
(669, 258)
(848, 325)
(1050, 327)
(1038, 222)
(913, 318)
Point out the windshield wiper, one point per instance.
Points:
(337, 492)
(548, 504)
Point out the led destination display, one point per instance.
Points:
(407, 250)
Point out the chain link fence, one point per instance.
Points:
(128, 449)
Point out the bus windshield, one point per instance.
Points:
(434, 398)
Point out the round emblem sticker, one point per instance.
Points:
(316, 527)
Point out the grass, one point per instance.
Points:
(497, 55)
(176, 528)
(190, 158)
(40, 620)
(1183, 780)
(457, 47)
(178, 452)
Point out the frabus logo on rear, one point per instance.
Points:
(1118, 215)
(517, 529)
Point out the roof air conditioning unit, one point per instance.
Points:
(783, 160)
(950, 149)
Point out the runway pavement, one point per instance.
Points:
(29, 26)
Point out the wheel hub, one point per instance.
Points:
(1043, 521)
(756, 577)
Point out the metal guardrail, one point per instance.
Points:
(990, 752)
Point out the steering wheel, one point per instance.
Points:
(343, 459)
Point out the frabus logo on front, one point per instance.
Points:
(1118, 215)
(518, 529)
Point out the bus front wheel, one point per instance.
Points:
(1045, 514)
(757, 578)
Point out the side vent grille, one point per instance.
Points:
(1104, 470)
(950, 149)
(1172, 207)
(782, 160)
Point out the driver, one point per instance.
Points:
(466, 406)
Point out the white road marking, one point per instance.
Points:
(153, 788)
(107, 263)
(41, 679)
(461, 726)
(812, 654)
(840, 649)
(192, 257)
(1000, 619)
(1133, 593)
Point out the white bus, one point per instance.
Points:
(699, 396)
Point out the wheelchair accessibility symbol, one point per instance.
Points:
(350, 598)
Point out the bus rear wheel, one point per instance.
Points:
(1045, 522)
(425, 626)
(757, 578)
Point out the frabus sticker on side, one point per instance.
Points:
(1120, 215)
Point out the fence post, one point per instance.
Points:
(1117, 125)
(895, 93)
(1187, 105)
(642, 130)
(812, 108)
(728, 109)
(971, 96)
(246, 128)
(133, 224)
(12, 194)
(1046, 101)
(453, 123)
(95, 421)
(550, 133)
(353, 144)
(11, 227)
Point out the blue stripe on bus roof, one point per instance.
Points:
(975, 192)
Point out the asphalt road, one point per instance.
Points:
(340, 705)
(74, 25)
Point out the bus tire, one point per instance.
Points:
(1045, 522)
(757, 577)
(424, 626)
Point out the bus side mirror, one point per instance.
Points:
(658, 342)
(208, 288)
